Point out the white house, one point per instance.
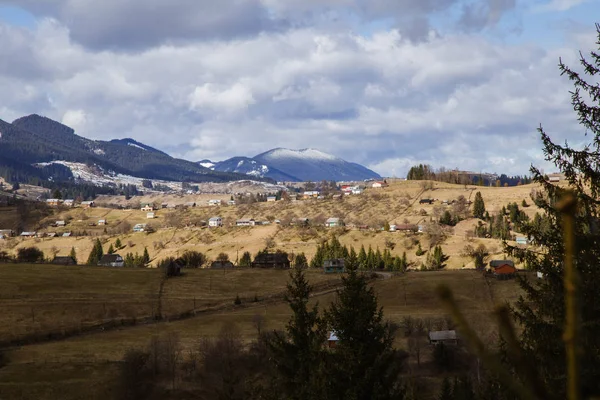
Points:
(139, 227)
(215, 222)
(333, 223)
(379, 185)
(60, 223)
(101, 222)
(245, 222)
(87, 204)
(214, 202)
(271, 198)
(147, 208)
(69, 202)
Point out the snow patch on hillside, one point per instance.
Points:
(135, 145)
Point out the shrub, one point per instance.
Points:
(192, 259)
(30, 255)
(237, 300)
(170, 267)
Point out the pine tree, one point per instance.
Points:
(352, 260)
(541, 311)
(300, 261)
(298, 354)
(246, 259)
(73, 254)
(478, 206)
(118, 244)
(364, 364)
(362, 258)
(145, 257)
(111, 249)
(436, 259)
(96, 253)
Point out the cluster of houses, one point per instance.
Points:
(69, 203)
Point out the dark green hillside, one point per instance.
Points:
(36, 139)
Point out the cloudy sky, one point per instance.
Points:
(386, 83)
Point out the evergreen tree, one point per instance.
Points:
(300, 261)
(364, 365)
(541, 310)
(446, 391)
(362, 258)
(118, 244)
(146, 257)
(111, 249)
(352, 260)
(298, 354)
(404, 261)
(478, 206)
(436, 259)
(96, 253)
(246, 259)
(73, 254)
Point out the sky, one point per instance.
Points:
(385, 83)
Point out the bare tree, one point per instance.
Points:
(258, 321)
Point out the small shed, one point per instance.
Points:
(332, 340)
(64, 260)
(522, 240)
(111, 260)
(446, 337)
(221, 264)
(101, 222)
(60, 223)
(66, 234)
(334, 266)
(150, 215)
(215, 222)
(271, 260)
(271, 198)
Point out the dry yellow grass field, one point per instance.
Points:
(395, 204)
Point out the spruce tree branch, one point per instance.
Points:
(492, 362)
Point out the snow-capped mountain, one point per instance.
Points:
(249, 166)
(314, 165)
(294, 165)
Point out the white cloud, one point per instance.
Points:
(234, 98)
(75, 119)
(559, 5)
(382, 99)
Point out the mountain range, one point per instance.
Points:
(294, 165)
(35, 148)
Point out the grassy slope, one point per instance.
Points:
(396, 204)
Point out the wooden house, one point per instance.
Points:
(271, 260)
(111, 260)
(64, 260)
(445, 337)
(503, 269)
